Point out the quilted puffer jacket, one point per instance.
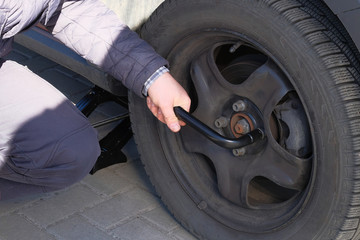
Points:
(90, 29)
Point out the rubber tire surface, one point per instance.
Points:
(311, 46)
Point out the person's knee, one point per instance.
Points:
(78, 154)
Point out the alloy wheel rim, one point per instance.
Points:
(267, 182)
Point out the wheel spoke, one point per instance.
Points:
(229, 169)
(282, 168)
(197, 143)
(265, 87)
(230, 182)
(207, 80)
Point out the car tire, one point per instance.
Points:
(296, 71)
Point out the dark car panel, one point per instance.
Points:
(348, 11)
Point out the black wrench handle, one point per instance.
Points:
(231, 143)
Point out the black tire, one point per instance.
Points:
(302, 180)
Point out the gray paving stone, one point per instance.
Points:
(17, 227)
(107, 183)
(136, 168)
(65, 203)
(181, 234)
(77, 227)
(161, 218)
(138, 229)
(121, 208)
(132, 154)
(6, 207)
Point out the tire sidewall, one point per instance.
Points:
(292, 51)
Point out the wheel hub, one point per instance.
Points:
(241, 124)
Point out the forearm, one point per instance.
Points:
(96, 33)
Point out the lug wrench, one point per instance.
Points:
(231, 143)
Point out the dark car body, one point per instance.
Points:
(348, 11)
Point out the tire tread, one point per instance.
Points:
(333, 45)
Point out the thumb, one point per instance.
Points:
(170, 119)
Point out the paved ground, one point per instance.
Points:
(116, 203)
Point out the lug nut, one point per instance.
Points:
(239, 106)
(221, 122)
(239, 152)
(242, 127)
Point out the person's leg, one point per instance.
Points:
(45, 142)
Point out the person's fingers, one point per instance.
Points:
(185, 104)
(182, 123)
(160, 116)
(156, 111)
(167, 115)
(164, 94)
(153, 109)
(150, 105)
(170, 118)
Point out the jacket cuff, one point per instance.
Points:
(152, 79)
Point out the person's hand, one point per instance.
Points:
(165, 94)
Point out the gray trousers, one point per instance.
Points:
(46, 144)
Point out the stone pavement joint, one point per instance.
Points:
(118, 202)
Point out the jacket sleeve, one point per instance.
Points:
(97, 34)
(17, 15)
